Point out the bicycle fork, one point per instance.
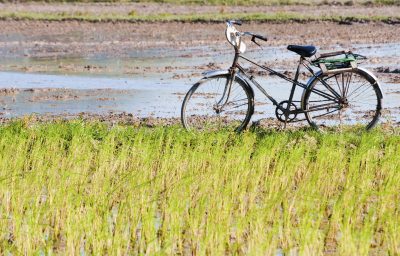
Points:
(227, 91)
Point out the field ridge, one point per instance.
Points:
(279, 17)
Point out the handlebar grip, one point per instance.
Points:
(261, 37)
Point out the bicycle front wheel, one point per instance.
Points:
(210, 105)
(343, 99)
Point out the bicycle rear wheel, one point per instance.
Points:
(343, 99)
(207, 108)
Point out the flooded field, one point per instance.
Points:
(80, 73)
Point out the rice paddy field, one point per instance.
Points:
(86, 188)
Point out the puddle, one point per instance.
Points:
(97, 94)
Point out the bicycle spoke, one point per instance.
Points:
(327, 86)
(232, 101)
(336, 80)
(347, 85)
(359, 94)
(365, 83)
(238, 106)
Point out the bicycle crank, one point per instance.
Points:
(280, 113)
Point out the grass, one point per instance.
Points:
(208, 17)
(84, 188)
(237, 2)
(276, 2)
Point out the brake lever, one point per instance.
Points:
(253, 39)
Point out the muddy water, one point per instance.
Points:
(53, 94)
(153, 82)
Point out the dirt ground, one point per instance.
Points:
(41, 39)
(38, 40)
(72, 38)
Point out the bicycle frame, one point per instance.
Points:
(237, 67)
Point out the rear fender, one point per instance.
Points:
(380, 94)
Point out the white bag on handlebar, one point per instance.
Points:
(235, 39)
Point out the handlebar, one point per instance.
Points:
(234, 36)
(253, 36)
(261, 37)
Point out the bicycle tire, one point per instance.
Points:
(198, 108)
(360, 100)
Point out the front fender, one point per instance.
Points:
(211, 73)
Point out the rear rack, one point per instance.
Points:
(348, 62)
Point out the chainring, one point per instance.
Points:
(280, 114)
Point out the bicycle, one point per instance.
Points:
(339, 93)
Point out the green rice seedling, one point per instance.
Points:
(85, 188)
(276, 17)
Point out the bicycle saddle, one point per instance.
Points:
(304, 51)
